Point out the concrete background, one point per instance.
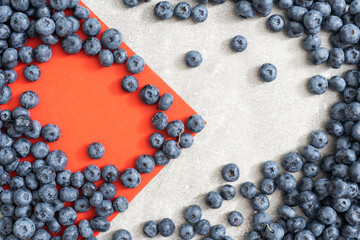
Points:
(249, 121)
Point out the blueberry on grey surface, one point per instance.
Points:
(267, 186)
(130, 178)
(122, 234)
(292, 162)
(186, 231)
(182, 10)
(217, 232)
(318, 84)
(260, 221)
(164, 10)
(235, 218)
(268, 72)
(248, 190)
(213, 200)
(193, 59)
(286, 182)
(166, 227)
(276, 23)
(135, 64)
(150, 94)
(193, 214)
(131, 3)
(238, 43)
(150, 229)
(230, 172)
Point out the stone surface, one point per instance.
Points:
(249, 121)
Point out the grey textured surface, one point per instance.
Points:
(249, 121)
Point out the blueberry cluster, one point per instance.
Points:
(42, 197)
(164, 10)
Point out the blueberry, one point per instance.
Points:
(19, 22)
(310, 153)
(254, 235)
(63, 27)
(171, 149)
(263, 7)
(29, 99)
(150, 94)
(85, 229)
(270, 169)
(318, 56)
(286, 182)
(235, 218)
(81, 12)
(156, 140)
(245, 9)
(88, 189)
(145, 163)
(334, 128)
(311, 170)
(352, 216)
(71, 232)
(336, 58)
(32, 73)
(276, 23)
(91, 27)
(9, 58)
(311, 42)
(24, 228)
(182, 10)
(72, 44)
(160, 120)
(42, 53)
(50, 132)
(161, 158)
(130, 178)
(45, 26)
(227, 192)
(213, 200)
(217, 232)
(202, 227)
(296, 224)
(122, 234)
(111, 39)
(82, 204)
(135, 64)
(31, 181)
(322, 7)
(193, 58)
(106, 58)
(39, 150)
(73, 3)
(7, 156)
(192, 214)
(129, 83)
(96, 150)
(238, 43)
(96, 199)
(57, 15)
(17, 40)
(108, 190)
(6, 13)
(10, 76)
(44, 212)
(53, 226)
(131, 3)
(267, 186)
(292, 162)
(59, 5)
(23, 169)
(120, 204)
(163, 10)
(318, 139)
(305, 234)
(230, 172)
(76, 23)
(92, 173)
(316, 228)
(57, 160)
(110, 173)
(68, 194)
(248, 190)
(351, 55)
(120, 55)
(175, 128)
(165, 102)
(312, 19)
(150, 229)
(349, 34)
(67, 216)
(274, 231)
(48, 193)
(22, 147)
(341, 204)
(326, 215)
(77, 179)
(166, 227)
